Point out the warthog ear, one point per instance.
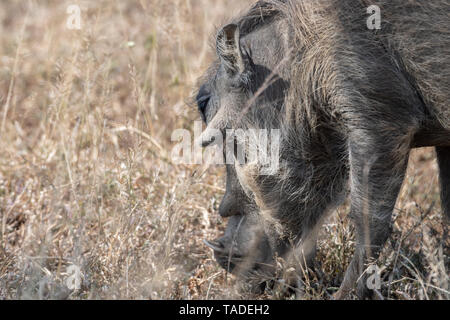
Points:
(229, 49)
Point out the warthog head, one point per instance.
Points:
(243, 89)
(250, 86)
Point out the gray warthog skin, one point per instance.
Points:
(350, 103)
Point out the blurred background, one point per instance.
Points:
(91, 204)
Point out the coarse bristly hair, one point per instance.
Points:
(349, 102)
(334, 63)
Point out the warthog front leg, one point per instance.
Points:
(377, 170)
(443, 157)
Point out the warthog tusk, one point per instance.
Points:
(215, 245)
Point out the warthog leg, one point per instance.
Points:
(377, 169)
(443, 157)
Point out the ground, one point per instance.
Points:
(92, 205)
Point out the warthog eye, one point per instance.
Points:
(202, 103)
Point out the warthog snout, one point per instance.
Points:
(243, 247)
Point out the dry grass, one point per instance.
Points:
(85, 172)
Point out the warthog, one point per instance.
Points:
(350, 103)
